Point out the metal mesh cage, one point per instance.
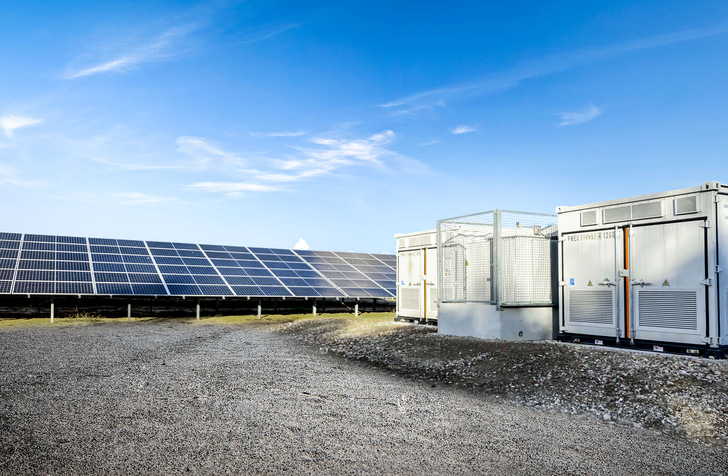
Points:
(500, 257)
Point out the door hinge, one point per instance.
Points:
(706, 282)
(705, 224)
(718, 269)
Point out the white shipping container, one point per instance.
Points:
(417, 276)
(647, 268)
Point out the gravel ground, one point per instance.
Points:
(685, 397)
(177, 396)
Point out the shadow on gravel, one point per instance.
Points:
(683, 396)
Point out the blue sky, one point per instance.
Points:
(260, 122)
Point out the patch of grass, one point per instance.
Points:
(270, 319)
(285, 318)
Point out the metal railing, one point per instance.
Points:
(499, 257)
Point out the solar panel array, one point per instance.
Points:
(47, 264)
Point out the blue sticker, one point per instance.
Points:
(571, 281)
(403, 283)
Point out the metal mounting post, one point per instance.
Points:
(314, 308)
(356, 308)
(128, 311)
(53, 309)
(260, 308)
(197, 310)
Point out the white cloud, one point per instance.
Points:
(123, 198)
(140, 199)
(277, 134)
(8, 176)
(131, 167)
(507, 79)
(164, 46)
(462, 129)
(324, 155)
(233, 189)
(205, 152)
(262, 33)
(9, 123)
(429, 142)
(301, 245)
(571, 118)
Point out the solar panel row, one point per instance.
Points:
(47, 264)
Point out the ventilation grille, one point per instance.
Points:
(647, 210)
(410, 298)
(668, 309)
(685, 205)
(589, 217)
(423, 240)
(591, 307)
(614, 214)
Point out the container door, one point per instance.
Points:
(430, 291)
(409, 275)
(668, 282)
(592, 287)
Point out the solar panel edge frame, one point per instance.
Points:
(361, 272)
(157, 271)
(156, 267)
(322, 275)
(271, 272)
(217, 270)
(17, 263)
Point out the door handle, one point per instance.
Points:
(641, 283)
(607, 282)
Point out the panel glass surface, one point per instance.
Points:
(48, 264)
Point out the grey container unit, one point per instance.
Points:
(647, 270)
(417, 276)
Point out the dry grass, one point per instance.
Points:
(274, 319)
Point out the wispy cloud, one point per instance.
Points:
(429, 142)
(277, 134)
(571, 118)
(9, 176)
(205, 152)
(507, 79)
(165, 46)
(462, 129)
(138, 166)
(141, 199)
(233, 189)
(10, 123)
(122, 198)
(261, 33)
(324, 155)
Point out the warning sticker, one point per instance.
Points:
(590, 284)
(666, 283)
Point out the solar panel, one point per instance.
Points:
(47, 264)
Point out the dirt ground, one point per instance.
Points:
(682, 396)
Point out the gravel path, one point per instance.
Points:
(173, 396)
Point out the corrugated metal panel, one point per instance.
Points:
(685, 205)
(647, 210)
(592, 307)
(668, 309)
(410, 298)
(615, 214)
(588, 217)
